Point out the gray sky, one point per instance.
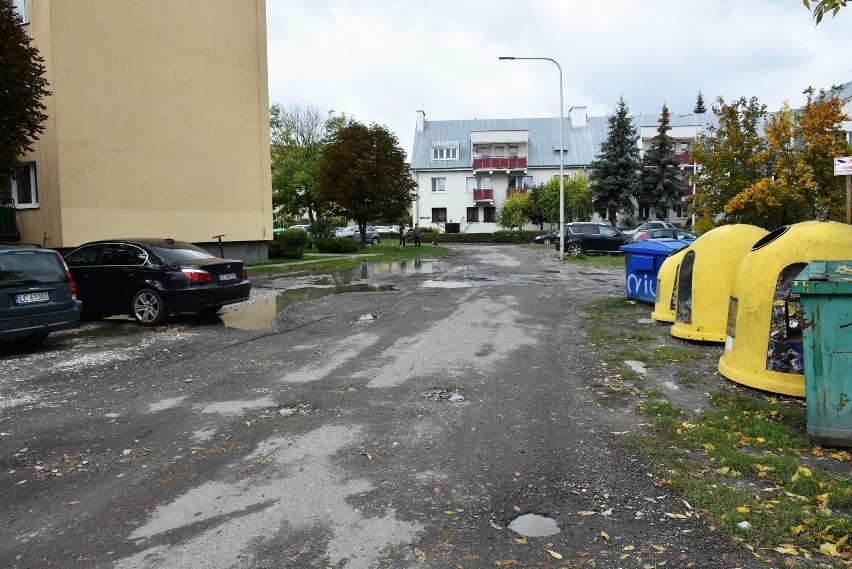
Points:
(382, 60)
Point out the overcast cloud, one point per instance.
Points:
(382, 60)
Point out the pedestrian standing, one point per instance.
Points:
(416, 234)
(402, 229)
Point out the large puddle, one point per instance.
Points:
(533, 525)
(301, 286)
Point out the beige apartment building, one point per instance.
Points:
(158, 124)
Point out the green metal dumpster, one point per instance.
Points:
(825, 291)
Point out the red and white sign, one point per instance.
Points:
(843, 166)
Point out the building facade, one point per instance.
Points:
(158, 124)
(465, 169)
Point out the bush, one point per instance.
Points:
(337, 245)
(323, 228)
(293, 243)
(452, 227)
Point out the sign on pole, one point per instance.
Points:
(843, 166)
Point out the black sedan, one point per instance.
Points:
(547, 239)
(152, 278)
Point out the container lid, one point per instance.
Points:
(825, 277)
(663, 247)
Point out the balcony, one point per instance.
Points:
(483, 195)
(513, 190)
(683, 157)
(499, 164)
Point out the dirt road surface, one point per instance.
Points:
(403, 426)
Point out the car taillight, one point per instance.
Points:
(197, 275)
(245, 273)
(641, 236)
(70, 278)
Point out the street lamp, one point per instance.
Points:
(694, 165)
(561, 155)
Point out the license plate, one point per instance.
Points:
(31, 297)
(228, 277)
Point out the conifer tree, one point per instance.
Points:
(662, 186)
(615, 172)
(700, 107)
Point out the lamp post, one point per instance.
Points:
(561, 155)
(694, 165)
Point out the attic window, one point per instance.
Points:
(445, 150)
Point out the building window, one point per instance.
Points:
(489, 214)
(22, 9)
(498, 152)
(439, 184)
(24, 190)
(439, 215)
(472, 214)
(478, 183)
(684, 147)
(445, 154)
(485, 151)
(513, 152)
(524, 183)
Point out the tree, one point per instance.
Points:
(22, 89)
(515, 211)
(699, 104)
(545, 203)
(615, 177)
(730, 156)
(297, 136)
(800, 151)
(662, 186)
(822, 7)
(362, 175)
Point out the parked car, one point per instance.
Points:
(650, 225)
(583, 237)
(152, 278)
(352, 232)
(37, 294)
(303, 227)
(663, 234)
(547, 239)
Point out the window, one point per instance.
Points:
(485, 151)
(498, 152)
(684, 146)
(489, 214)
(124, 255)
(524, 183)
(513, 152)
(473, 214)
(445, 153)
(22, 9)
(439, 184)
(24, 190)
(439, 215)
(477, 183)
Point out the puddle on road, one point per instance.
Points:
(533, 525)
(446, 284)
(259, 315)
(365, 271)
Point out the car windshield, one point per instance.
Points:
(180, 251)
(30, 268)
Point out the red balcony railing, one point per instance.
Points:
(483, 195)
(512, 190)
(683, 157)
(499, 163)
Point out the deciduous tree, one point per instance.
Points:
(362, 175)
(515, 211)
(660, 180)
(22, 89)
(822, 7)
(615, 172)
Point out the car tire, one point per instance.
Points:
(148, 308)
(547, 241)
(375, 241)
(575, 248)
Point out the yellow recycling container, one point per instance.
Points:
(763, 344)
(664, 306)
(704, 281)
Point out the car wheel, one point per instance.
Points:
(574, 249)
(148, 308)
(34, 339)
(375, 241)
(547, 241)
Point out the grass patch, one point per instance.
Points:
(688, 378)
(744, 460)
(373, 253)
(596, 260)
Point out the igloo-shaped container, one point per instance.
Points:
(763, 343)
(704, 281)
(664, 306)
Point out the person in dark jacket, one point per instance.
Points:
(416, 234)
(402, 229)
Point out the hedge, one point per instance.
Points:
(501, 236)
(337, 245)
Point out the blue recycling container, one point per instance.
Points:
(825, 291)
(642, 262)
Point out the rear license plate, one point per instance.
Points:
(31, 297)
(228, 277)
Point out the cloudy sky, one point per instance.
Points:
(382, 60)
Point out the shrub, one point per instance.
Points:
(322, 228)
(337, 245)
(452, 227)
(293, 243)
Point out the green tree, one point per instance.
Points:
(662, 186)
(22, 89)
(362, 175)
(699, 104)
(515, 211)
(822, 7)
(297, 136)
(615, 172)
(545, 203)
(730, 157)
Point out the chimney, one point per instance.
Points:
(577, 116)
(421, 121)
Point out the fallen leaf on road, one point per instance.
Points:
(586, 513)
(495, 526)
(368, 455)
(419, 554)
(517, 509)
(522, 539)
(554, 554)
(70, 503)
(605, 535)
(506, 563)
